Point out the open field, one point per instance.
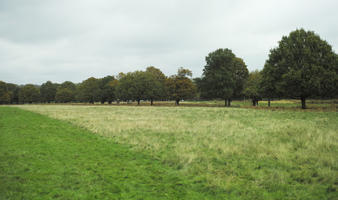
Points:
(244, 153)
(43, 158)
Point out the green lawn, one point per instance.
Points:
(202, 152)
(43, 158)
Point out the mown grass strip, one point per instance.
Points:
(43, 158)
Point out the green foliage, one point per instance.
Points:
(13, 89)
(180, 86)
(302, 66)
(133, 86)
(69, 85)
(107, 89)
(29, 94)
(64, 95)
(5, 96)
(48, 91)
(66, 92)
(156, 88)
(252, 87)
(224, 75)
(89, 90)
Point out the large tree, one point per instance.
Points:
(48, 91)
(65, 92)
(252, 87)
(89, 90)
(133, 86)
(5, 96)
(155, 80)
(13, 90)
(224, 75)
(302, 66)
(107, 89)
(29, 94)
(180, 87)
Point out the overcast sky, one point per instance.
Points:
(61, 40)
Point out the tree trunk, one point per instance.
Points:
(177, 102)
(109, 102)
(102, 102)
(303, 102)
(269, 102)
(151, 102)
(253, 102)
(225, 102)
(138, 101)
(229, 102)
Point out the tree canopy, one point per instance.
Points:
(89, 90)
(29, 94)
(180, 86)
(66, 92)
(252, 87)
(156, 80)
(5, 96)
(302, 66)
(224, 75)
(48, 91)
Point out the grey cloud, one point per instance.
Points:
(62, 40)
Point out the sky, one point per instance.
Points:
(72, 40)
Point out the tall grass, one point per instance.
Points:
(259, 152)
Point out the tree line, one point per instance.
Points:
(301, 66)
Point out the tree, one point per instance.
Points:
(69, 85)
(180, 86)
(133, 86)
(89, 90)
(13, 90)
(223, 75)
(48, 91)
(107, 89)
(302, 66)
(155, 88)
(252, 87)
(29, 94)
(64, 95)
(65, 92)
(5, 97)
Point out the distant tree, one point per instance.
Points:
(5, 97)
(155, 84)
(14, 92)
(224, 75)
(29, 94)
(133, 86)
(66, 92)
(252, 87)
(198, 84)
(48, 91)
(64, 95)
(107, 89)
(89, 90)
(69, 85)
(302, 66)
(180, 86)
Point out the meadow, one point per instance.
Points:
(231, 153)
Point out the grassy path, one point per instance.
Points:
(43, 158)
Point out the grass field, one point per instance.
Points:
(43, 158)
(234, 153)
(287, 104)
